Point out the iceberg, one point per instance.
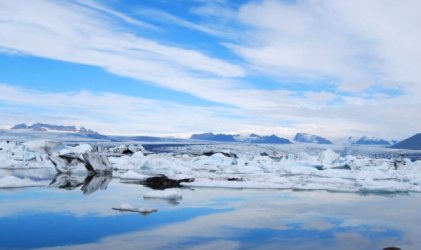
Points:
(132, 175)
(228, 165)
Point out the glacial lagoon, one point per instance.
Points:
(205, 218)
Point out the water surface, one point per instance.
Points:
(54, 218)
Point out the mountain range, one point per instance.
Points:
(413, 142)
(252, 138)
(43, 127)
(308, 138)
(365, 140)
(48, 130)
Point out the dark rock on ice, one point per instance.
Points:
(235, 179)
(162, 182)
(391, 248)
(344, 167)
(230, 155)
(319, 167)
(400, 161)
(126, 150)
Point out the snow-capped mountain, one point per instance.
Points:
(365, 140)
(413, 142)
(273, 139)
(213, 137)
(51, 129)
(308, 138)
(42, 127)
(252, 138)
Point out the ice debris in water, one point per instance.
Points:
(126, 149)
(321, 170)
(168, 194)
(129, 208)
(225, 165)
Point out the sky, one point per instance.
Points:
(326, 67)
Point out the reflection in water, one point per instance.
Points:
(90, 183)
(205, 219)
(95, 182)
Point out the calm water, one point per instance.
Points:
(53, 218)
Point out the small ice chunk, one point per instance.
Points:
(132, 175)
(129, 208)
(328, 157)
(167, 194)
(126, 207)
(41, 146)
(79, 149)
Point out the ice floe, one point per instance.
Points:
(168, 194)
(222, 165)
(129, 208)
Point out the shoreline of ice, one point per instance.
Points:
(226, 166)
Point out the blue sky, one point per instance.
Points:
(180, 67)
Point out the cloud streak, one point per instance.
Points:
(352, 47)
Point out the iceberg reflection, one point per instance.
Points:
(89, 184)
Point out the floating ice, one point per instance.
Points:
(126, 149)
(136, 161)
(96, 162)
(313, 170)
(79, 149)
(227, 165)
(167, 194)
(132, 175)
(129, 208)
(41, 146)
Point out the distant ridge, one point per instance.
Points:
(44, 127)
(252, 138)
(52, 127)
(365, 140)
(413, 142)
(213, 137)
(308, 138)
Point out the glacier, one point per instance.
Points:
(223, 165)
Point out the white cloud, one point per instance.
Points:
(112, 113)
(306, 40)
(81, 35)
(356, 43)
